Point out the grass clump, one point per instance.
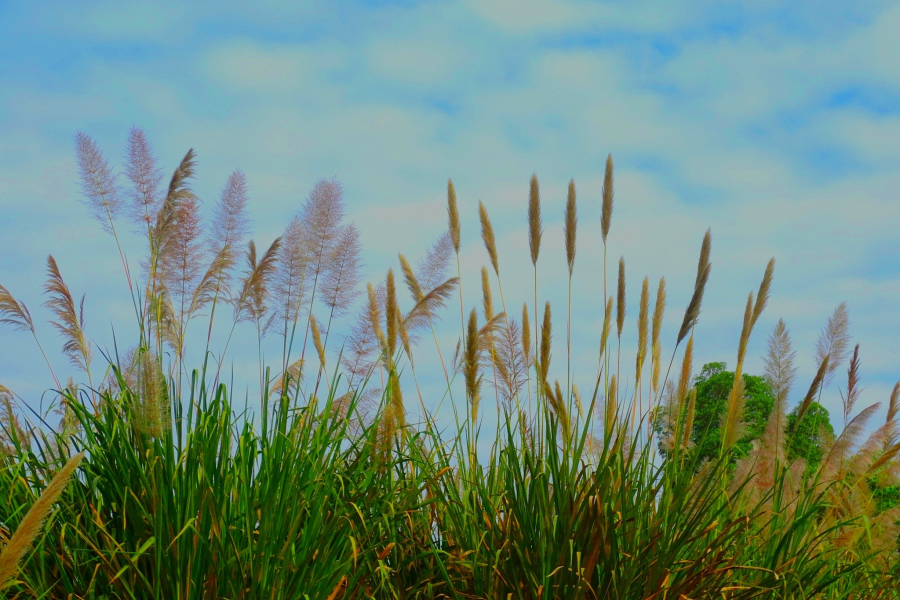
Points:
(330, 490)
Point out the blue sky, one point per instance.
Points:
(775, 124)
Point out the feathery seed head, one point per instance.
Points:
(571, 226)
(98, 184)
(659, 310)
(317, 339)
(833, 341)
(643, 318)
(30, 526)
(620, 298)
(606, 215)
(704, 267)
(393, 313)
(535, 229)
(487, 234)
(546, 340)
(526, 335)
(487, 299)
(453, 215)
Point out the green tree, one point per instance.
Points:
(810, 437)
(714, 385)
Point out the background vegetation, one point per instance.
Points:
(154, 480)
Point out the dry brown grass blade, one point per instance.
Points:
(571, 226)
(30, 525)
(535, 228)
(14, 313)
(606, 216)
(453, 215)
(69, 318)
(487, 234)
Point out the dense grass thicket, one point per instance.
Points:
(150, 479)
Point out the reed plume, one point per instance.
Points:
(571, 226)
(98, 183)
(340, 285)
(607, 326)
(471, 364)
(684, 385)
(30, 526)
(510, 361)
(557, 401)
(392, 317)
(778, 365)
(659, 310)
(14, 313)
(180, 260)
(317, 340)
(612, 407)
(692, 313)
(762, 296)
(432, 268)
(546, 340)
(250, 302)
(409, 277)
(425, 310)
(453, 216)
(853, 390)
(293, 375)
(11, 429)
(620, 298)
(814, 388)
(290, 280)
(166, 219)
(643, 317)
(607, 209)
(486, 297)
(153, 406)
(145, 177)
(535, 226)
(69, 318)
(833, 341)
(689, 419)
(526, 336)
(487, 234)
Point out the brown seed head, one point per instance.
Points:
(535, 229)
(526, 335)
(571, 226)
(317, 339)
(452, 215)
(487, 234)
(487, 299)
(606, 216)
(546, 339)
(30, 526)
(643, 318)
(620, 298)
(659, 310)
(393, 313)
